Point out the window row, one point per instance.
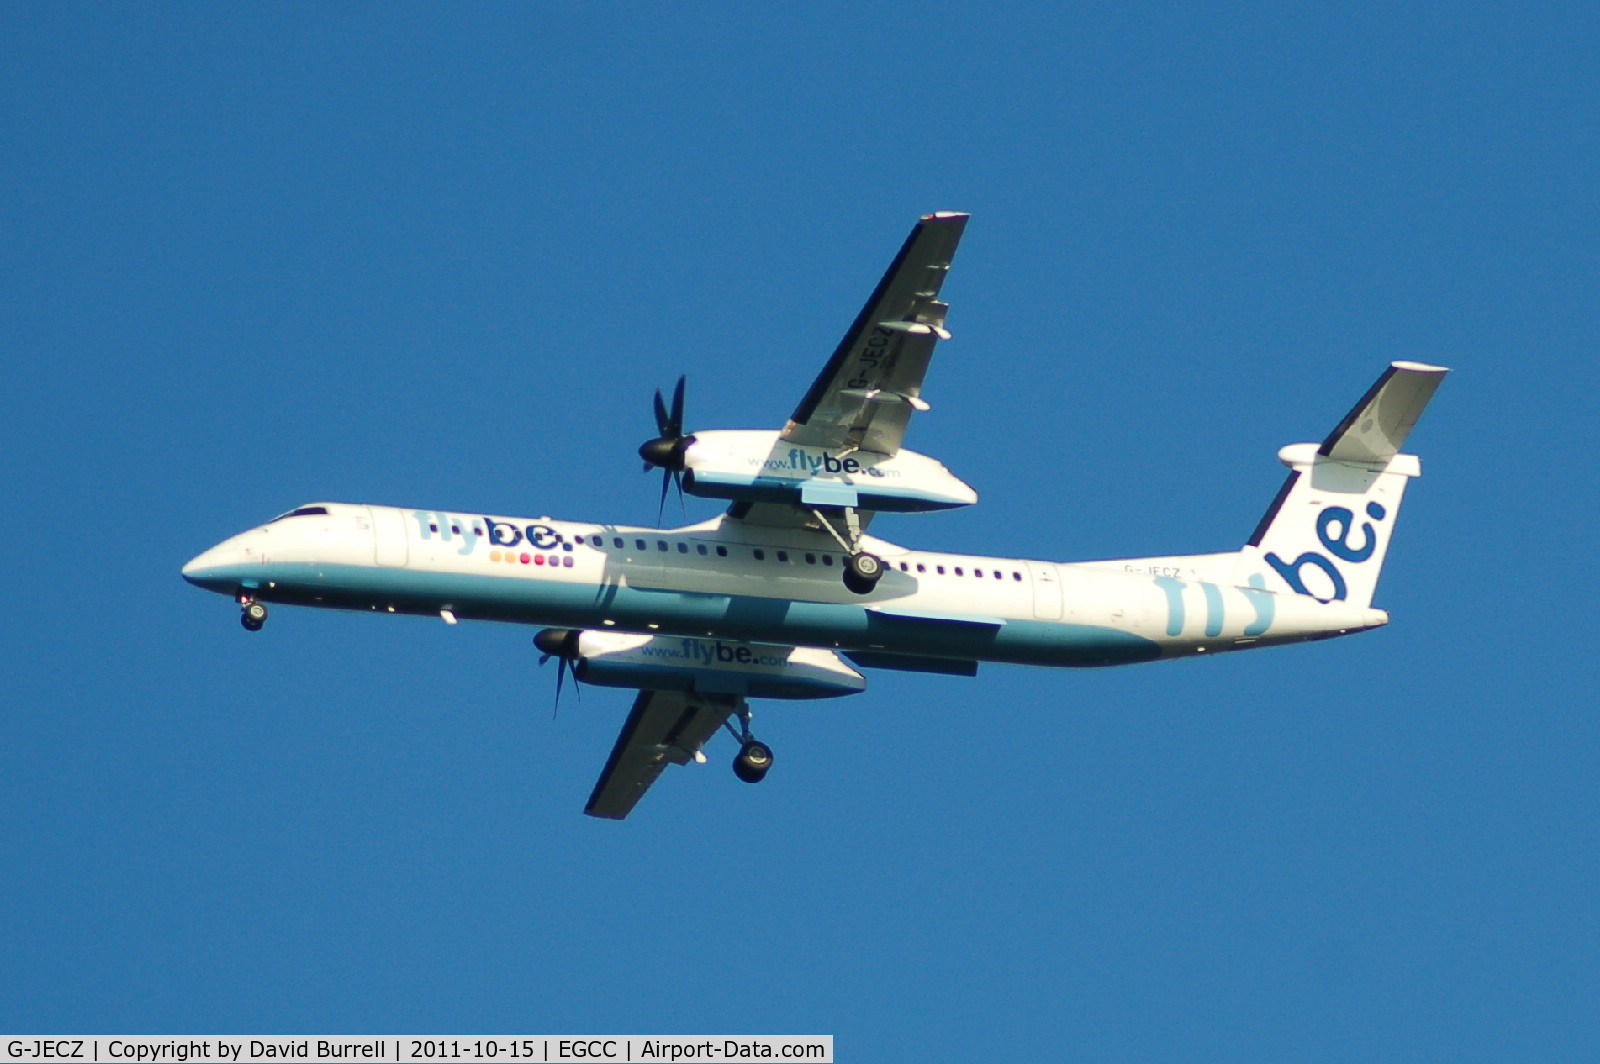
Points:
(760, 555)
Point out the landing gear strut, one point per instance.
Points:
(252, 614)
(861, 569)
(754, 757)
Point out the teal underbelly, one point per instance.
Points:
(472, 596)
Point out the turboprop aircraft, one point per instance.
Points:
(786, 596)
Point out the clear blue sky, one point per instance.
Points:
(257, 255)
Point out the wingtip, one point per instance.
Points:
(1420, 367)
(941, 215)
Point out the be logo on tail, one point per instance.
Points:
(1334, 525)
(1335, 515)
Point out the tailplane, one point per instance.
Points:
(1328, 530)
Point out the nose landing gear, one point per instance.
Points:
(252, 614)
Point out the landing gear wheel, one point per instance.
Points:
(862, 572)
(753, 761)
(253, 616)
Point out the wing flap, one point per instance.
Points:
(664, 727)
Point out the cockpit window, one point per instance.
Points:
(304, 511)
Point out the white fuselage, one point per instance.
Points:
(729, 580)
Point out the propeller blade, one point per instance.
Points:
(662, 423)
(666, 481)
(561, 644)
(677, 409)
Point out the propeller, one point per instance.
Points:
(561, 644)
(665, 452)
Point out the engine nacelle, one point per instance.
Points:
(752, 466)
(712, 666)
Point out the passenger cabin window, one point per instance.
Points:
(761, 555)
(811, 559)
(827, 559)
(940, 569)
(959, 572)
(661, 544)
(683, 548)
(701, 547)
(722, 552)
(638, 544)
(921, 568)
(783, 555)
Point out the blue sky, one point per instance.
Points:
(261, 255)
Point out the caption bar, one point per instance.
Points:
(236, 1049)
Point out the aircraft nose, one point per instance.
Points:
(215, 569)
(198, 564)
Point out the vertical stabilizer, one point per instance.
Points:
(1328, 530)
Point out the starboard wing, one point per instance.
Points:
(865, 395)
(664, 727)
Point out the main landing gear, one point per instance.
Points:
(861, 569)
(754, 757)
(252, 614)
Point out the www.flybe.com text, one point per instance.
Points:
(707, 651)
(801, 461)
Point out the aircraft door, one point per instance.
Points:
(1046, 591)
(388, 536)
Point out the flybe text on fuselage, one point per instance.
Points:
(471, 528)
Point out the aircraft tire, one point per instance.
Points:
(862, 572)
(253, 616)
(753, 761)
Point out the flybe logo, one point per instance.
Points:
(1335, 524)
(470, 529)
(801, 461)
(710, 652)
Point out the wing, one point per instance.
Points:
(865, 395)
(665, 727)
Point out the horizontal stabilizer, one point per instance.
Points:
(1375, 430)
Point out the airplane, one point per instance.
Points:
(786, 596)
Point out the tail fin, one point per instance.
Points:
(1326, 533)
